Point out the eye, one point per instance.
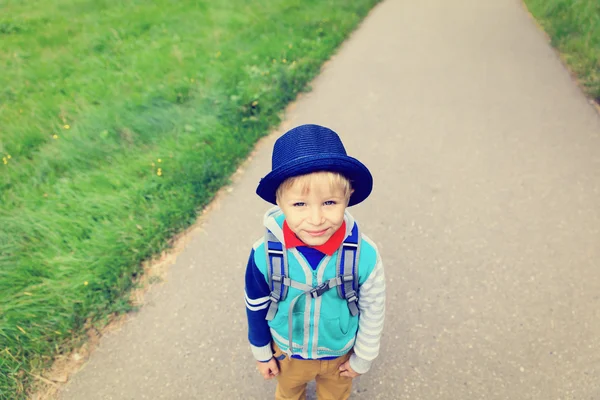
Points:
(330, 203)
(299, 204)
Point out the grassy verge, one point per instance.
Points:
(574, 27)
(118, 120)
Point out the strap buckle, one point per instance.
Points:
(351, 296)
(319, 290)
(274, 297)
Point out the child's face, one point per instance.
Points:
(314, 212)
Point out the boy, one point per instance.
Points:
(315, 288)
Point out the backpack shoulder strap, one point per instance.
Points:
(277, 270)
(347, 269)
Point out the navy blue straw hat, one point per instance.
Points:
(313, 148)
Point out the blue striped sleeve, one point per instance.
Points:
(257, 304)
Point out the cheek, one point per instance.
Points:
(293, 224)
(340, 212)
(294, 220)
(337, 217)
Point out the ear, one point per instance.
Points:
(348, 199)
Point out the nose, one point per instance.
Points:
(316, 216)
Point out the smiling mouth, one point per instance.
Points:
(317, 233)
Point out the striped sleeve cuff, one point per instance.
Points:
(360, 365)
(262, 354)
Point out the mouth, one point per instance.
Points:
(317, 233)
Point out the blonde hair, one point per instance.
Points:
(334, 179)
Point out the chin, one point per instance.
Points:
(315, 241)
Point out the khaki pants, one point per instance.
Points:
(294, 374)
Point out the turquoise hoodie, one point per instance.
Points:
(322, 326)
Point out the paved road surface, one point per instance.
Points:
(486, 208)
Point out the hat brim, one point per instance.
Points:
(355, 171)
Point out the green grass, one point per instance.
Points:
(574, 27)
(95, 97)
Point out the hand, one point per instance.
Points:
(268, 369)
(347, 371)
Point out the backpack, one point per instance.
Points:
(346, 279)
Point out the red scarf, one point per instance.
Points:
(329, 247)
